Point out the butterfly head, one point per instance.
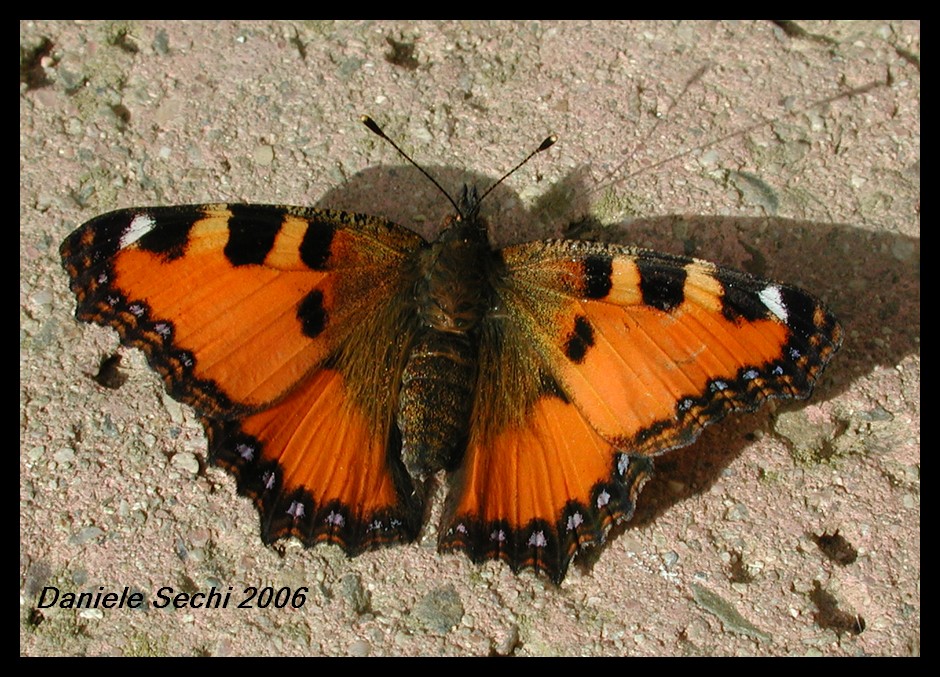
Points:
(469, 204)
(466, 224)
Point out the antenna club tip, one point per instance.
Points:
(371, 124)
(548, 143)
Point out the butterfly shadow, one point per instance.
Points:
(870, 280)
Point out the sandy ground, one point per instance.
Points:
(721, 559)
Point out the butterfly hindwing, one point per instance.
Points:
(273, 323)
(317, 470)
(629, 353)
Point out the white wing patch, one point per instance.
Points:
(770, 297)
(139, 226)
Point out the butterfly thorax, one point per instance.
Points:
(439, 379)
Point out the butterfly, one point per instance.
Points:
(339, 362)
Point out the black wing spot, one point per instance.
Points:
(315, 248)
(312, 314)
(598, 274)
(169, 237)
(251, 233)
(579, 340)
(661, 287)
(739, 299)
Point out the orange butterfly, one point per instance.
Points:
(338, 360)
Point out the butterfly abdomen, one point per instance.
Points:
(435, 401)
(439, 378)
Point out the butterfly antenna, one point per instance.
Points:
(545, 145)
(375, 129)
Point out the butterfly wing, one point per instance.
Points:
(612, 355)
(274, 324)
